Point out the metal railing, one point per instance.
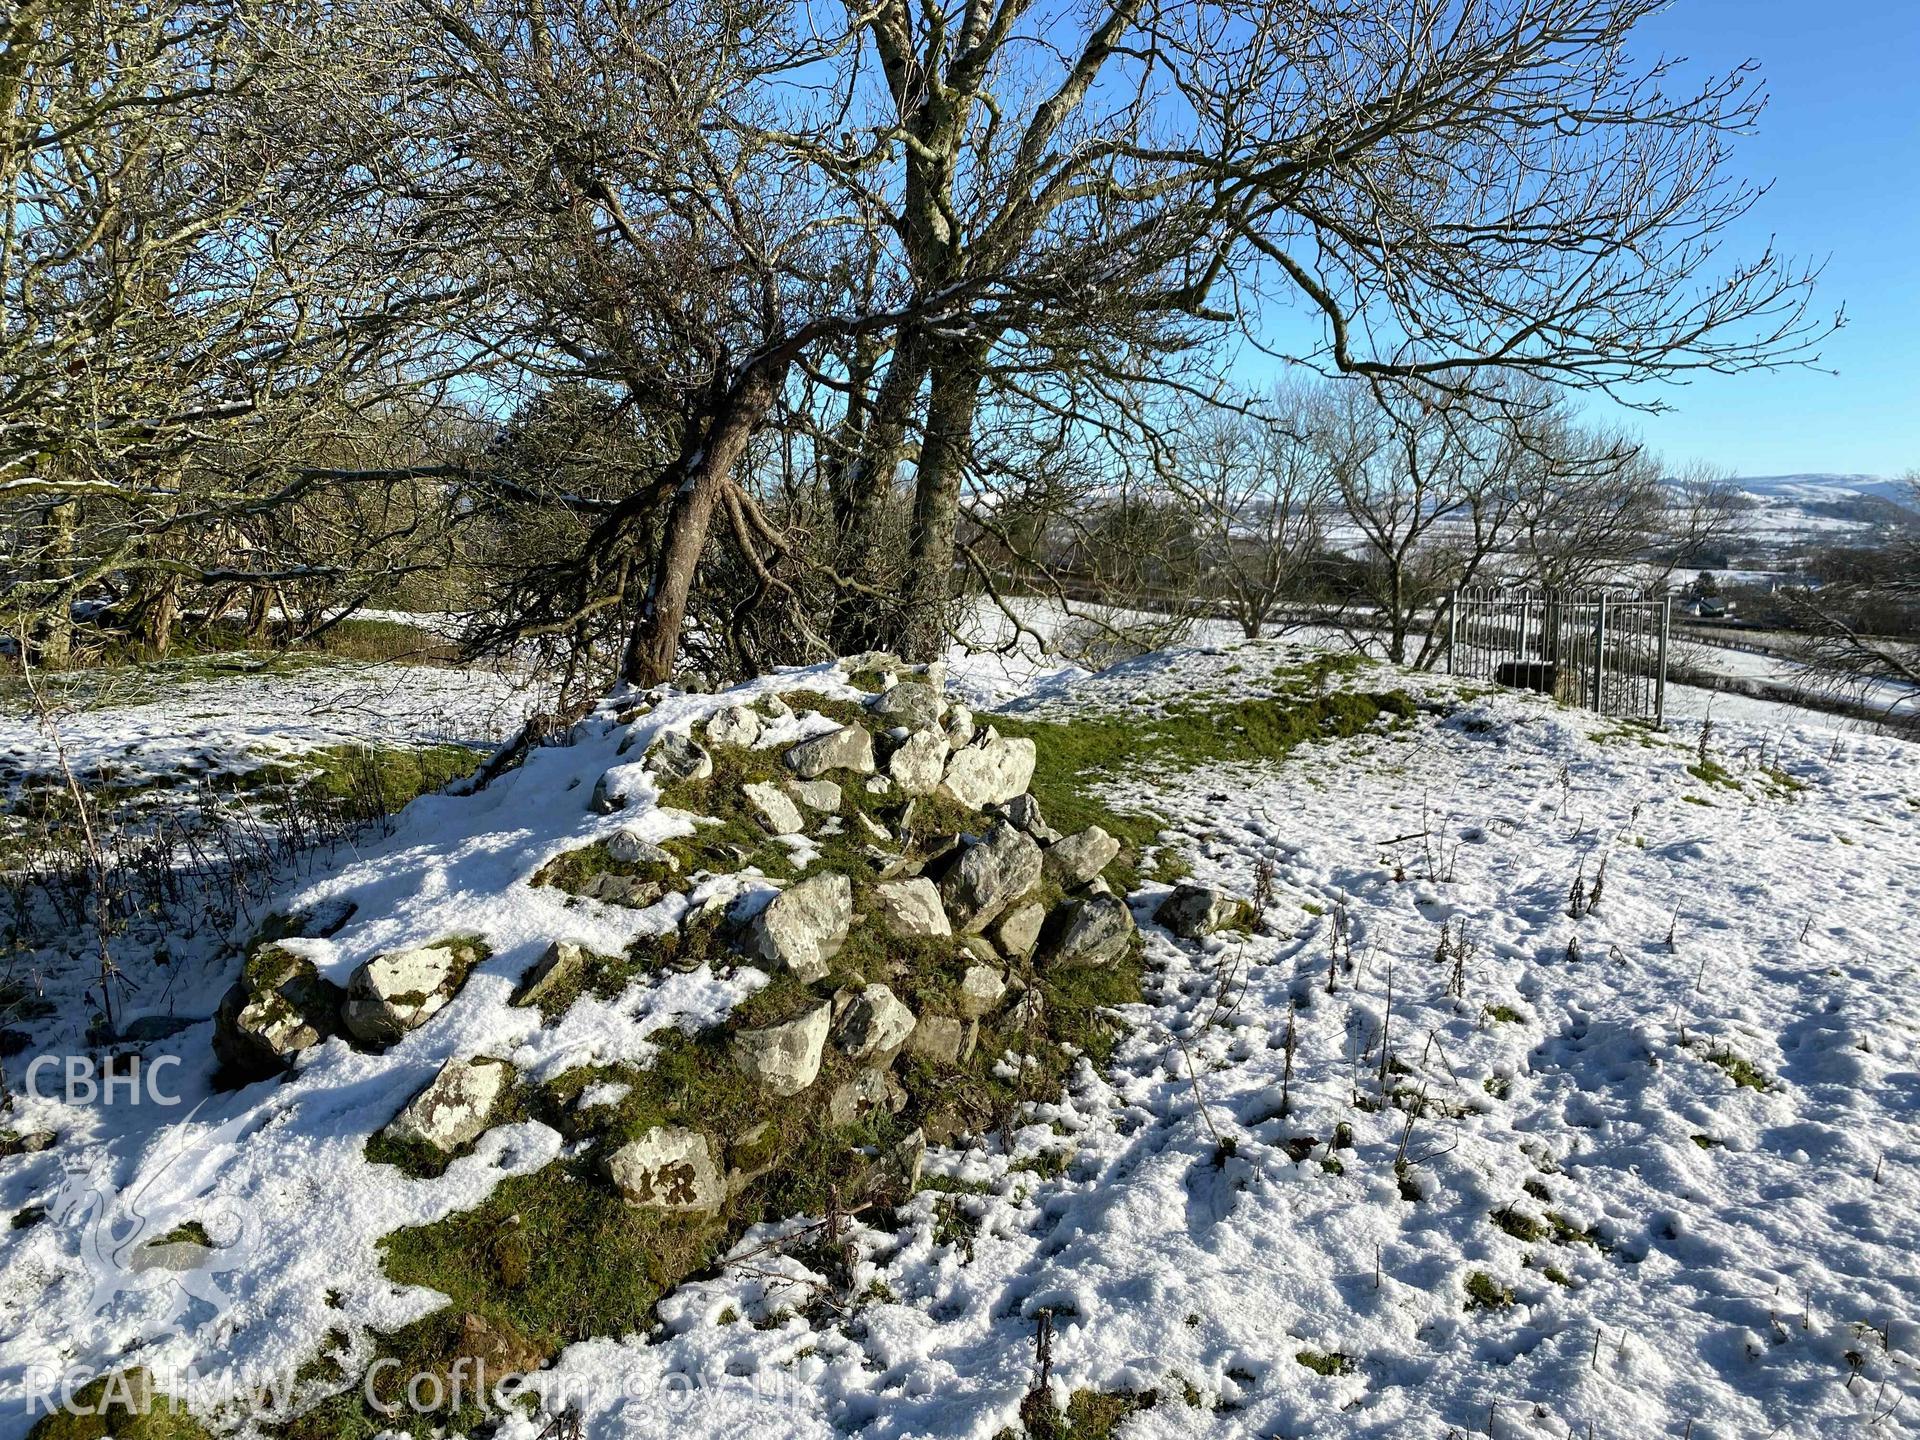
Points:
(1599, 649)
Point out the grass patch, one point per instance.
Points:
(949, 1185)
(1709, 771)
(1505, 1014)
(1743, 1072)
(1486, 1293)
(1568, 1233)
(125, 1406)
(1090, 1414)
(1785, 784)
(1322, 1363)
(556, 1256)
(362, 639)
(1187, 736)
(841, 712)
(576, 870)
(1520, 1226)
(358, 779)
(190, 1233)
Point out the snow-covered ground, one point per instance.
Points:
(159, 720)
(1781, 673)
(1683, 1254)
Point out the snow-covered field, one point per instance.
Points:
(1572, 1220)
(161, 719)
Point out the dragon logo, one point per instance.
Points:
(173, 1235)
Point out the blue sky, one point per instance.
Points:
(1840, 139)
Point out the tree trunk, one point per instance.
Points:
(1397, 617)
(863, 490)
(161, 612)
(259, 612)
(654, 644)
(56, 639)
(952, 399)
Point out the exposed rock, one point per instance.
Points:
(612, 790)
(942, 1125)
(1092, 931)
(977, 949)
(634, 891)
(909, 703)
(878, 669)
(878, 785)
(982, 989)
(785, 1058)
(1019, 929)
(674, 757)
(774, 707)
(943, 1039)
(278, 1007)
(1077, 859)
(989, 876)
(868, 1090)
(403, 989)
(911, 907)
(907, 1156)
(773, 809)
(875, 1025)
(1024, 812)
(669, 1168)
(694, 682)
(32, 1142)
(630, 847)
(959, 725)
(886, 864)
(919, 763)
(991, 770)
(873, 828)
(821, 795)
(848, 748)
(1025, 1012)
(751, 1154)
(1195, 910)
(802, 927)
(735, 725)
(454, 1107)
(559, 968)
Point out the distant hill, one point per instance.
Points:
(1822, 488)
(1846, 508)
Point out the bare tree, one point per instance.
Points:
(1261, 494)
(195, 297)
(1502, 181)
(1415, 497)
(1861, 623)
(818, 251)
(1704, 512)
(1587, 502)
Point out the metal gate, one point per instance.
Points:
(1600, 649)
